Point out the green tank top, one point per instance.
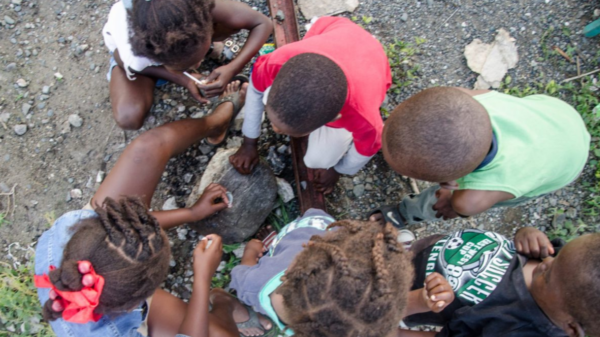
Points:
(543, 145)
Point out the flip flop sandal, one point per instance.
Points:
(253, 322)
(237, 107)
(390, 214)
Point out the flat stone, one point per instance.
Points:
(312, 8)
(22, 83)
(9, 20)
(254, 196)
(4, 117)
(25, 108)
(170, 204)
(76, 193)
(75, 120)
(285, 190)
(359, 190)
(20, 129)
(11, 66)
(46, 90)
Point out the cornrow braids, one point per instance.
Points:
(125, 245)
(352, 281)
(169, 31)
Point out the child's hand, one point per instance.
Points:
(246, 157)
(217, 81)
(213, 199)
(192, 87)
(531, 242)
(252, 253)
(207, 260)
(437, 292)
(443, 206)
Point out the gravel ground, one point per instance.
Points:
(70, 136)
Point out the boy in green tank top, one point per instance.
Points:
(484, 148)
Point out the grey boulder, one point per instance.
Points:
(253, 198)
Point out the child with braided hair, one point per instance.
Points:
(155, 41)
(326, 278)
(98, 270)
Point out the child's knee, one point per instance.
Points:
(130, 116)
(315, 161)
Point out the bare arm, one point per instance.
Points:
(161, 72)
(472, 202)
(206, 261)
(236, 16)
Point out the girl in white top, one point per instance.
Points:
(153, 40)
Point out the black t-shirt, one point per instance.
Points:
(507, 309)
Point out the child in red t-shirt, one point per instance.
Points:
(328, 86)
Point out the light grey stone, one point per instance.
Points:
(359, 190)
(75, 120)
(169, 204)
(285, 190)
(4, 117)
(25, 108)
(20, 129)
(9, 20)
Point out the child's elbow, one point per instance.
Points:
(468, 204)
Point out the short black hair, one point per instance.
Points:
(308, 92)
(169, 31)
(438, 135)
(581, 292)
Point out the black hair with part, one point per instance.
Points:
(308, 92)
(352, 281)
(581, 292)
(170, 31)
(125, 245)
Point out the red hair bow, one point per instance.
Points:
(78, 305)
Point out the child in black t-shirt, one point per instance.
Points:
(503, 288)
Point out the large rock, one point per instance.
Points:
(253, 198)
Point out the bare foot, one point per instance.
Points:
(227, 107)
(240, 313)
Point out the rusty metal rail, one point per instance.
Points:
(285, 22)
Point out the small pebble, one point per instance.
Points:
(75, 120)
(22, 83)
(46, 90)
(76, 193)
(20, 129)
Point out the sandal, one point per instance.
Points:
(253, 322)
(229, 52)
(390, 214)
(237, 107)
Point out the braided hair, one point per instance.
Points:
(125, 245)
(169, 31)
(350, 282)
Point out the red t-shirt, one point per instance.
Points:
(364, 63)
